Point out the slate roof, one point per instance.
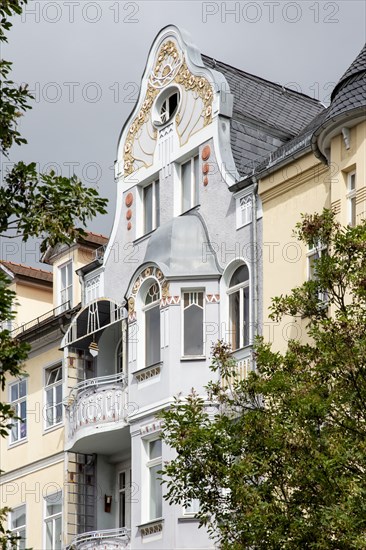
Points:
(349, 94)
(26, 271)
(265, 115)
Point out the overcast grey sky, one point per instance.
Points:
(83, 61)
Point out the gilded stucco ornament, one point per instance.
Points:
(170, 67)
(131, 305)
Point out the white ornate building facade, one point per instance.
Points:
(183, 267)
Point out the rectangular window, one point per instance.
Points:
(53, 521)
(53, 395)
(190, 183)
(18, 400)
(192, 508)
(244, 210)
(92, 287)
(151, 202)
(17, 519)
(351, 198)
(154, 464)
(193, 323)
(65, 281)
(314, 254)
(122, 499)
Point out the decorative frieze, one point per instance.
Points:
(213, 298)
(151, 428)
(147, 373)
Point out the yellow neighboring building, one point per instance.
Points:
(323, 167)
(32, 457)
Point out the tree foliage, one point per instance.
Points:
(278, 460)
(53, 208)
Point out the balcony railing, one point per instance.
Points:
(111, 539)
(41, 320)
(98, 402)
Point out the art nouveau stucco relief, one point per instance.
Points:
(194, 111)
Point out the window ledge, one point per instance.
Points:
(193, 358)
(188, 519)
(152, 527)
(17, 443)
(53, 428)
(148, 372)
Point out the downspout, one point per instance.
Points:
(255, 259)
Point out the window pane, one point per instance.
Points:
(155, 493)
(234, 300)
(14, 392)
(49, 535)
(58, 411)
(196, 180)
(148, 209)
(152, 334)
(246, 316)
(186, 186)
(22, 388)
(155, 449)
(58, 390)
(241, 275)
(193, 330)
(352, 182)
(58, 528)
(18, 517)
(353, 211)
(122, 509)
(63, 277)
(157, 205)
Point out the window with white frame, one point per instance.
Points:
(193, 319)
(239, 307)
(151, 204)
(92, 289)
(190, 183)
(192, 509)
(313, 256)
(152, 325)
(168, 106)
(18, 400)
(244, 210)
(17, 521)
(351, 198)
(154, 465)
(122, 498)
(53, 521)
(53, 396)
(65, 282)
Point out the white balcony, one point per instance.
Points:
(111, 539)
(95, 409)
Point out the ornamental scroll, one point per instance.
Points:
(194, 112)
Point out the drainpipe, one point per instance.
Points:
(255, 258)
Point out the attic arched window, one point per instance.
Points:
(239, 307)
(152, 324)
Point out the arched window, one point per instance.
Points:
(152, 325)
(239, 307)
(119, 358)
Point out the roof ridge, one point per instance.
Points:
(275, 84)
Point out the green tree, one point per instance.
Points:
(50, 207)
(278, 460)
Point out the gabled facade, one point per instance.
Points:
(182, 269)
